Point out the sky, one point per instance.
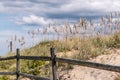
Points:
(19, 16)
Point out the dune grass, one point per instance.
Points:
(86, 48)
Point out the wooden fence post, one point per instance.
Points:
(17, 64)
(54, 67)
(11, 45)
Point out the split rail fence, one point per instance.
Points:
(53, 60)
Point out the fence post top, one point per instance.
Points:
(52, 51)
(17, 49)
(17, 52)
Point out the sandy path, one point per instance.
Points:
(85, 73)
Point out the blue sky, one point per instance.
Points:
(18, 16)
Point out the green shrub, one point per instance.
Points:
(4, 78)
(34, 67)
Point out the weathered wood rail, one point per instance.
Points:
(53, 60)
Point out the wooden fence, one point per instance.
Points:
(53, 60)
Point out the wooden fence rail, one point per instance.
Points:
(53, 60)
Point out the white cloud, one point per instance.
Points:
(56, 9)
(93, 5)
(44, 6)
(2, 8)
(34, 20)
